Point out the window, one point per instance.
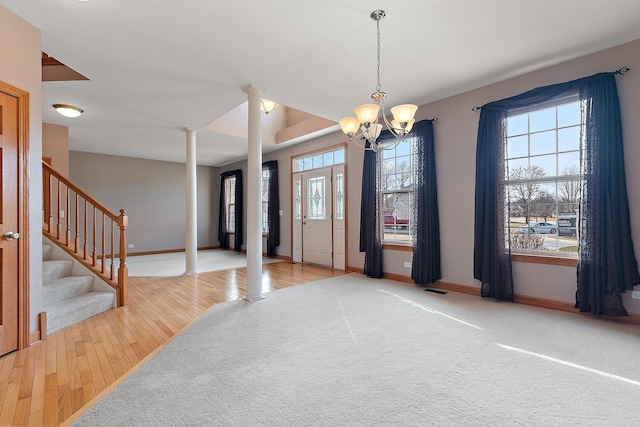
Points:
(396, 180)
(339, 196)
(265, 200)
(319, 160)
(230, 192)
(543, 177)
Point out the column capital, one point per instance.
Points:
(253, 90)
(189, 131)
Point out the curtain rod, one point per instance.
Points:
(621, 71)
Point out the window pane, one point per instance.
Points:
(339, 156)
(568, 194)
(543, 143)
(518, 125)
(569, 138)
(546, 163)
(518, 146)
(542, 120)
(317, 161)
(306, 163)
(327, 158)
(404, 148)
(569, 163)
(297, 200)
(569, 114)
(339, 196)
(316, 199)
(517, 164)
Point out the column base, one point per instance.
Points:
(254, 298)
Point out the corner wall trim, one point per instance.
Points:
(39, 334)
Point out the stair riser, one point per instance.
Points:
(66, 288)
(75, 310)
(55, 269)
(47, 250)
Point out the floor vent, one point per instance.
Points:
(436, 291)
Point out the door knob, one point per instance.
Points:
(10, 235)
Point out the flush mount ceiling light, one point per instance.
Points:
(367, 114)
(68, 110)
(268, 106)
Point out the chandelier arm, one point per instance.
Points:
(357, 138)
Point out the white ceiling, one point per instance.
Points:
(157, 66)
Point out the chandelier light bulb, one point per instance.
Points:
(404, 113)
(349, 125)
(367, 113)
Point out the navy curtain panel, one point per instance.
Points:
(273, 211)
(370, 242)
(426, 231)
(223, 232)
(607, 264)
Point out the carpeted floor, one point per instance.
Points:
(353, 351)
(174, 263)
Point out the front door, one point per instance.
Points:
(8, 223)
(317, 224)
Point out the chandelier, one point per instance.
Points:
(366, 120)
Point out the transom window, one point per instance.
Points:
(396, 183)
(543, 177)
(319, 160)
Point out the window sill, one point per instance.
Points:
(545, 259)
(396, 247)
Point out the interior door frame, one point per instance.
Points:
(345, 195)
(23, 211)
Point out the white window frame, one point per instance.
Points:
(396, 223)
(563, 239)
(230, 192)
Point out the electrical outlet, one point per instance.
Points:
(407, 264)
(635, 294)
(130, 245)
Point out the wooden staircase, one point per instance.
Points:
(88, 241)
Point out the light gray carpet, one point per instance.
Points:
(352, 351)
(174, 263)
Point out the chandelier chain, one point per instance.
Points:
(378, 86)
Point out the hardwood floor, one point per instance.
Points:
(51, 382)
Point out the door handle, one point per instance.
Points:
(10, 235)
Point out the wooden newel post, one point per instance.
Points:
(123, 271)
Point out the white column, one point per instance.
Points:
(191, 226)
(254, 199)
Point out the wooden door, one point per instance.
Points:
(317, 236)
(9, 267)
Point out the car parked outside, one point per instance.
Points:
(540, 228)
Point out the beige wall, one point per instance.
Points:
(55, 144)
(154, 196)
(20, 67)
(455, 144)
